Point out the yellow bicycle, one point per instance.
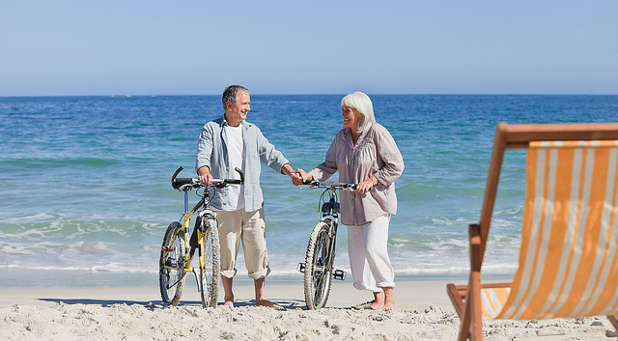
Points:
(178, 249)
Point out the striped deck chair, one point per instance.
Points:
(568, 262)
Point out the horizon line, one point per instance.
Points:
(321, 94)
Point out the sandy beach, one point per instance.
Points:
(424, 313)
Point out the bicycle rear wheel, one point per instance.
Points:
(209, 274)
(318, 267)
(171, 264)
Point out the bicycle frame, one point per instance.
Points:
(178, 247)
(330, 216)
(185, 185)
(185, 220)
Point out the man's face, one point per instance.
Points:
(236, 112)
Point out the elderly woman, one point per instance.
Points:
(364, 153)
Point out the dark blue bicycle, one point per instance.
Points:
(318, 266)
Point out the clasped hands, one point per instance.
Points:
(298, 176)
(303, 177)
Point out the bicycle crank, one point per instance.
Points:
(337, 274)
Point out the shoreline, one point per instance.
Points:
(409, 294)
(423, 312)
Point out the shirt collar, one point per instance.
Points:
(223, 122)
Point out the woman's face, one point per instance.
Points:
(351, 117)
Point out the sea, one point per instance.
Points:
(85, 194)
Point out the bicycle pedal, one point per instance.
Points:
(301, 267)
(339, 274)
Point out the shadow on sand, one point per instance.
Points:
(287, 304)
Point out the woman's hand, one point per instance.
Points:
(305, 176)
(365, 186)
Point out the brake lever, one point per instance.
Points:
(242, 176)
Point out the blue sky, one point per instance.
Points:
(288, 47)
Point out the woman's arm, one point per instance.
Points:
(388, 153)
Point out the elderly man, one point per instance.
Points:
(225, 144)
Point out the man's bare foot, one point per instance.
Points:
(269, 304)
(229, 302)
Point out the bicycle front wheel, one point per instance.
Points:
(318, 267)
(209, 273)
(171, 264)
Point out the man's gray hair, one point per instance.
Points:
(229, 94)
(362, 103)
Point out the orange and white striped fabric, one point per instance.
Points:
(493, 300)
(568, 265)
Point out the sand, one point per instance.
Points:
(424, 313)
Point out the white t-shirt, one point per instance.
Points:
(235, 150)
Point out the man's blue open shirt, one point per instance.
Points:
(212, 153)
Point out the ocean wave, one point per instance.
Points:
(496, 269)
(29, 218)
(111, 268)
(26, 163)
(45, 226)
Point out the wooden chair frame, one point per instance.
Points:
(466, 298)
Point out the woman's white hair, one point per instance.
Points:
(362, 103)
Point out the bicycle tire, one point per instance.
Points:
(318, 267)
(171, 265)
(209, 274)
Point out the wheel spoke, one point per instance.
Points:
(317, 267)
(210, 272)
(171, 264)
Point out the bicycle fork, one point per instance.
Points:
(197, 241)
(332, 236)
(337, 273)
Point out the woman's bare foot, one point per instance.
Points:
(390, 306)
(269, 304)
(389, 299)
(378, 300)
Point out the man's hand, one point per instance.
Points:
(289, 171)
(203, 174)
(365, 186)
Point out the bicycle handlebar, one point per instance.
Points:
(185, 184)
(341, 186)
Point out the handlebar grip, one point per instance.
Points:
(178, 182)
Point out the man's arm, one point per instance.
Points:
(269, 154)
(275, 159)
(289, 171)
(202, 158)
